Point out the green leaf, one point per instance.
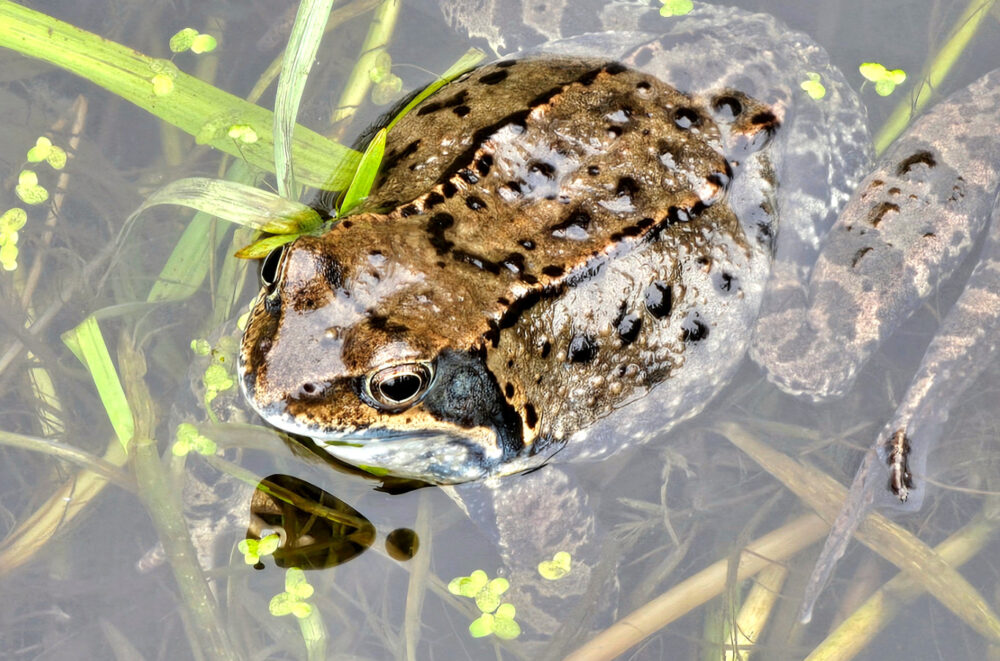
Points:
(361, 185)
(13, 219)
(386, 90)
(300, 53)
(486, 601)
(41, 150)
(237, 203)
(8, 255)
(162, 84)
(203, 43)
(243, 133)
(482, 626)
(296, 583)
(380, 68)
(676, 7)
(182, 41)
(56, 158)
(269, 544)
(557, 567)
(87, 343)
(201, 347)
(813, 87)
(504, 626)
(872, 71)
(263, 247)
(28, 190)
(281, 604)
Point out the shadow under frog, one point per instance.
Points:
(565, 256)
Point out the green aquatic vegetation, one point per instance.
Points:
(44, 150)
(364, 177)
(813, 87)
(497, 617)
(10, 222)
(188, 439)
(387, 85)
(254, 549)
(557, 567)
(87, 344)
(293, 599)
(884, 79)
(501, 624)
(190, 39)
(28, 188)
(243, 133)
(217, 377)
(676, 7)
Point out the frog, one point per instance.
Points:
(571, 250)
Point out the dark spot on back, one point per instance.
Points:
(858, 255)
(514, 262)
(468, 176)
(508, 390)
(449, 189)
(505, 64)
(627, 325)
(346, 224)
(659, 299)
(907, 163)
(552, 270)
(484, 164)
(409, 210)
(433, 199)
(436, 227)
(530, 416)
(527, 244)
(686, 118)
(582, 349)
(615, 131)
(462, 110)
(474, 203)
(593, 170)
(876, 213)
(547, 170)
(729, 107)
(493, 78)
(694, 330)
(627, 186)
(546, 348)
(615, 68)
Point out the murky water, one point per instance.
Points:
(665, 511)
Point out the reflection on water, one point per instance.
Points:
(662, 513)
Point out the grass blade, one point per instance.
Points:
(300, 53)
(87, 344)
(361, 185)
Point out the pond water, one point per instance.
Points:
(664, 511)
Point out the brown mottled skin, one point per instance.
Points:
(511, 225)
(564, 259)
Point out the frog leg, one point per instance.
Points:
(909, 225)
(530, 517)
(955, 358)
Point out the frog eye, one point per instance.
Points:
(269, 267)
(399, 386)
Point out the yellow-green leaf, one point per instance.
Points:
(361, 185)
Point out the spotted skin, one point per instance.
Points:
(578, 287)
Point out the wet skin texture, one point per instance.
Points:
(566, 254)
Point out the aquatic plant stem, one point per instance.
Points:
(857, 631)
(357, 86)
(894, 543)
(965, 28)
(206, 631)
(710, 582)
